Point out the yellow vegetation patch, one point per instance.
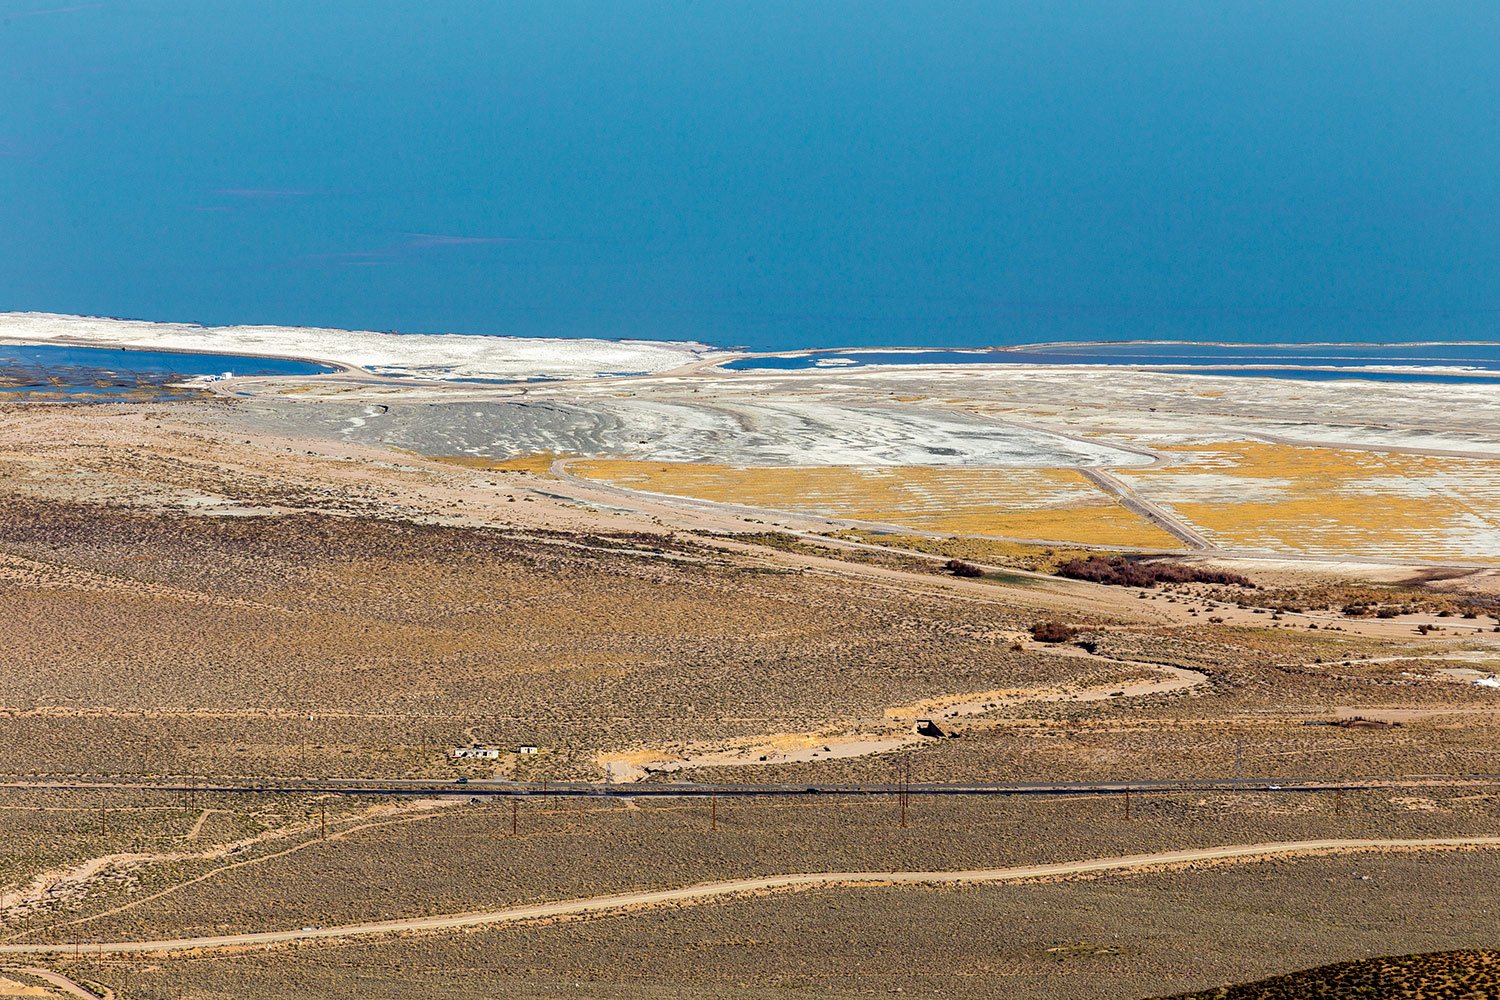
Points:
(1331, 501)
(539, 464)
(1041, 557)
(1057, 505)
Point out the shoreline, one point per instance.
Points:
(365, 353)
(1352, 373)
(339, 367)
(703, 347)
(454, 359)
(1435, 374)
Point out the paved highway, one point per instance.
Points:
(581, 789)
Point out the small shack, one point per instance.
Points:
(926, 727)
(476, 753)
(1360, 722)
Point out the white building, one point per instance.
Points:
(475, 753)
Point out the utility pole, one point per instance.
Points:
(905, 794)
(713, 814)
(103, 826)
(1338, 802)
(515, 816)
(1239, 759)
(322, 821)
(1127, 803)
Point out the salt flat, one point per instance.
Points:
(772, 432)
(411, 355)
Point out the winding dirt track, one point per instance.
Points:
(63, 983)
(620, 902)
(864, 737)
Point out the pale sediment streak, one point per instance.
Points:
(419, 355)
(780, 432)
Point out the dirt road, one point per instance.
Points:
(894, 730)
(49, 884)
(1137, 504)
(63, 983)
(731, 888)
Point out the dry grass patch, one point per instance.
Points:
(1052, 504)
(1039, 558)
(539, 464)
(1331, 502)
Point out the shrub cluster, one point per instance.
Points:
(1052, 632)
(960, 568)
(1120, 571)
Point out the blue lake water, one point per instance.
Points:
(1323, 375)
(1201, 359)
(90, 371)
(770, 173)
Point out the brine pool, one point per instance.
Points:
(85, 372)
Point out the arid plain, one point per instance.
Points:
(248, 630)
